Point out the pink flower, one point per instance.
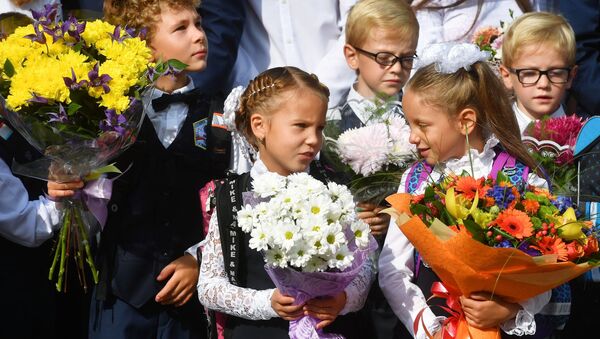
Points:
(562, 130)
(365, 149)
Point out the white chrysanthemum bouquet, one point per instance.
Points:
(314, 244)
(303, 224)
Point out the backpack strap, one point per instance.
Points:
(229, 202)
(417, 174)
(516, 171)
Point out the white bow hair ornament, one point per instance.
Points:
(449, 57)
(239, 143)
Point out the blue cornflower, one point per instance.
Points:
(502, 195)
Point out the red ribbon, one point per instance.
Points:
(453, 308)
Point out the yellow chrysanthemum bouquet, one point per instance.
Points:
(73, 90)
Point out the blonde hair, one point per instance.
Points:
(265, 92)
(537, 28)
(367, 15)
(480, 90)
(142, 14)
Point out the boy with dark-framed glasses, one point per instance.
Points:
(538, 65)
(381, 43)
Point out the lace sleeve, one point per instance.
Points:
(357, 291)
(217, 293)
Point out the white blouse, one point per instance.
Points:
(217, 293)
(452, 24)
(396, 263)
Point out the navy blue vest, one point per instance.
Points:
(154, 213)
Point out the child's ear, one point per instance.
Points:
(573, 75)
(351, 56)
(505, 75)
(467, 120)
(258, 123)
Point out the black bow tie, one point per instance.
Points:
(161, 103)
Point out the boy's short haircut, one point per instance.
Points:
(142, 14)
(367, 15)
(537, 28)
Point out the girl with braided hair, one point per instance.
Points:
(282, 115)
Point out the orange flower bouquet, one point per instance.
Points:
(492, 236)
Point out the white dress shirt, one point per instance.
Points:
(307, 34)
(452, 24)
(361, 106)
(524, 120)
(396, 263)
(167, 122)
(25, 222)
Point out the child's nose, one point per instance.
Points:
(413, 138)
(199, 34)
(543, 81)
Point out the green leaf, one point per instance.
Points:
(177, 64)
(502, 177)
(73, 108)
(429, 194)
(9, 69)
(420, 209)
(476, 230)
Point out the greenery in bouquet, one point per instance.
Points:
(372, 158)
(500, 214)
(301, 223)
(489, 39)
(73, 90)
(551, 142)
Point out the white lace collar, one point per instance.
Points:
(259, 168)
(482, 162)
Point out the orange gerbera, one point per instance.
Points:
(541, 191)
(468, 186)
(417, 198)
(592, 245)
(531, 206)
(515, 223)
(553, 245)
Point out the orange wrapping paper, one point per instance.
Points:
(465, 265)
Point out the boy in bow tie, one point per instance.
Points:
(147, 283)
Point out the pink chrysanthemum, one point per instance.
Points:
(562, 130)
(365, 149)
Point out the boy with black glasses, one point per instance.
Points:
(538, 65)
(381, 43)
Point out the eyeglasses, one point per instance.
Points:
(530, 76)
(389, 59)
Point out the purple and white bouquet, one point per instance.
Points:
(313, 242)
(73, 90)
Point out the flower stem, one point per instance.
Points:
(64, 239)
(84, 240)
(59, 244)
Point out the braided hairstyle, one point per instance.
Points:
(478, 89)
(265, 93)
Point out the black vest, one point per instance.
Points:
(154, 212)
